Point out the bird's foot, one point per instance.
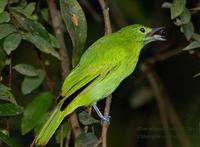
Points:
(105, 120)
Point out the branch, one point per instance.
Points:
(160, 101)
(105, 11)
(108, 30)
(65, 62)
(161, 95)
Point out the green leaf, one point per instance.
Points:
(10, 109)
(3, 4)
(29, 9)
(41, 44)
(185, 16)
(35, 111)
(6, 29)
(26, 11)
(86, 140)
(196, 37)
(35, 28)
(86, 119)
(41, 122)
(192, 45)
(188, 30)
(4, 17)
(6, 95)
(54, 41)
(31, 83)
(45, 14)
(62, 130)
(76, 24)
(11, 42)
(6, 139)
(177, 8)
(25, 69)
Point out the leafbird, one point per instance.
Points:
(99, 72)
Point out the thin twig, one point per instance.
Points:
(89, 111)
(61, 136)
(108, 30)
(105, 11)
(68, 138)
(91, 10)
(65, 62)
(161, 104)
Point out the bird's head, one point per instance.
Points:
(144, 34)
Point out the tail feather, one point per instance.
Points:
(49, 128)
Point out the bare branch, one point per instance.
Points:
(105, 11)
(108, 30)
(160, 101)
(171, 113)
(65, 62)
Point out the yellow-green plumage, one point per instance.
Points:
(104, 65)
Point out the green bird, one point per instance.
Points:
(101, 69)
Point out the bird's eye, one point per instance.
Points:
(142, 30)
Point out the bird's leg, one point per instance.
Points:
(104, 119)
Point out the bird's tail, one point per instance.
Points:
(49, 128)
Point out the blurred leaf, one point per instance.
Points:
(10, 109)
(141, 97)
(30, 8)
(35, 111)
(6, 95)
(42, 44)
(185, 16)
(86, 119)
(26, 11)
(45, 14)
(31, 83)
(3, 4)
(62, 130)
(76, 24)
(196, 75)
(54, 41)
(36, 29)
(192, 45)
(177, 8)
(26, 69)
(6, 29)
(6, 139)
(11, 42)
(188, 30)
(166, 5)
(196, 37)
(86, 140)
(41, 122)
(4, 17)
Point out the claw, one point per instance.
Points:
(105, 120)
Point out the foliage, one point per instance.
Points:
(181, 16)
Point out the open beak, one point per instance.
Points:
(157, 34)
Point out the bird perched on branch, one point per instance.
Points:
(101, 69)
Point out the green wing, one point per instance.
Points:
(99, 59)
